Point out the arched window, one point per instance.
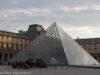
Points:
(9, 39)
(9, 45)
(27, 42)
(1, 45)
(0, 38)
(19, 40)
(4, 38)
(4, 45)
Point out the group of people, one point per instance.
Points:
(20, 64)
(27, 64)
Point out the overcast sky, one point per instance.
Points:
(79, 18)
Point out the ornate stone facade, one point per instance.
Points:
(11, 43)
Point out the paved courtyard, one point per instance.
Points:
(6, 70)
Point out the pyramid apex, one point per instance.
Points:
(54, 23)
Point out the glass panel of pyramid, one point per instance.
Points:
(55, 47)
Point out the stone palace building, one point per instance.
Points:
(11, 43)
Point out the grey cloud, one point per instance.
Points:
(87, 17)
(7, 4)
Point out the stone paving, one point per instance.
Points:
(6, 70)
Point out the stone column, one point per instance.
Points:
(2, 59)
(13, 54)
(8, 58)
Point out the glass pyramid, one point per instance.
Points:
(56, 47)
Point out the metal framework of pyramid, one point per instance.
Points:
(56, 47)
